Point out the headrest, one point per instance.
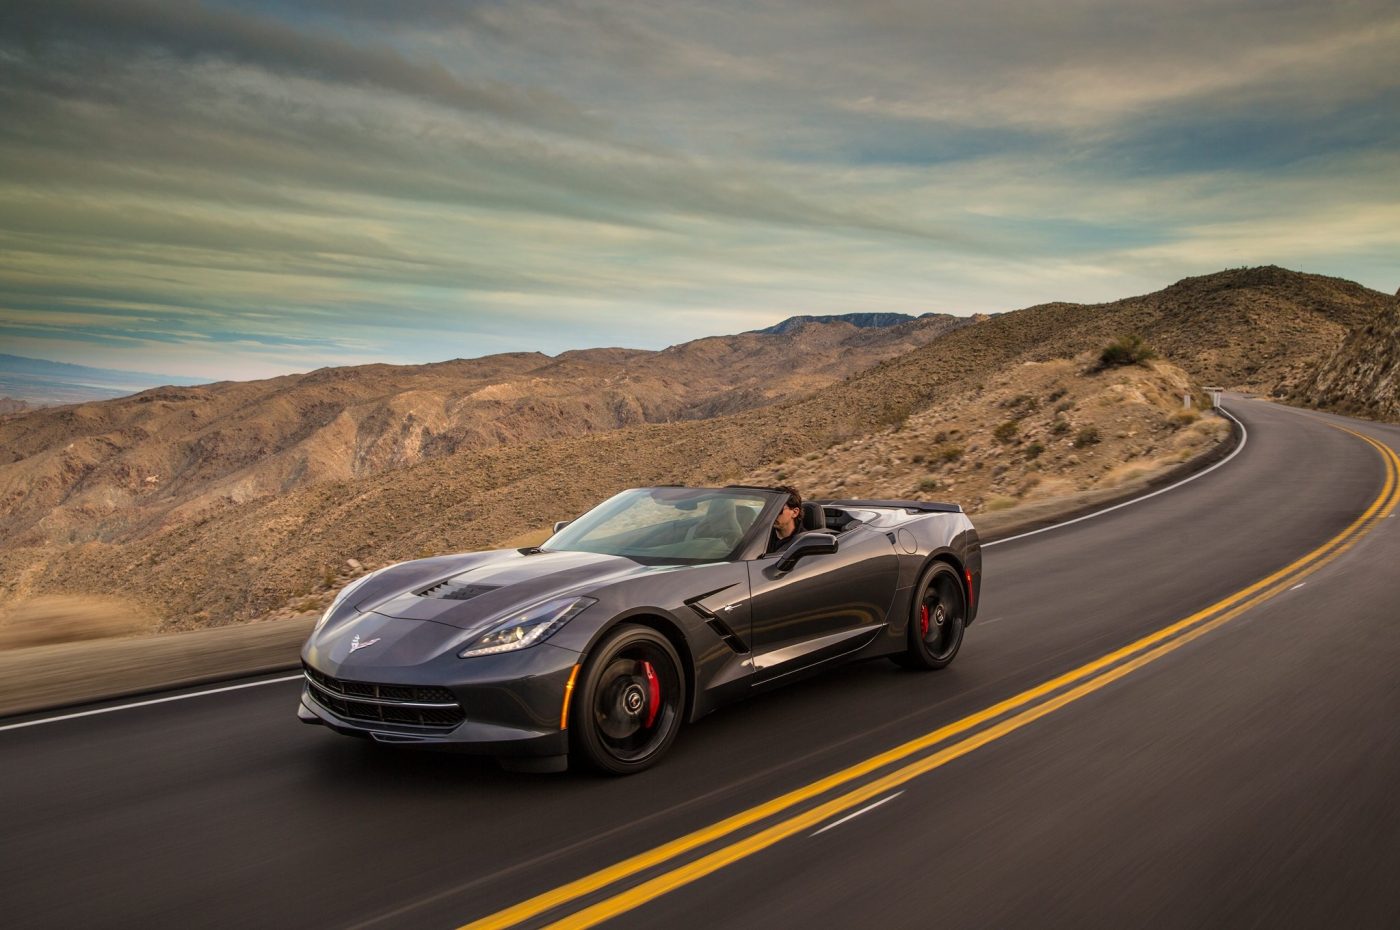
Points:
(813, 516)
(721, 521)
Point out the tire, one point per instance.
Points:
(937, 619)
(628, 708)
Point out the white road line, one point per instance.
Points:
(1244, 437)
(852, 816)
(177, 697)
(1297, 586)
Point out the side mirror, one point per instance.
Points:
(561, 524)
(811, 543)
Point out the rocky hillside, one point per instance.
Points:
(1362, 378)
(10, 405)
(1036, 431)
(290, 551)
(120, 469)
(1256, 328)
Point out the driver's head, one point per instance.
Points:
(791, 514)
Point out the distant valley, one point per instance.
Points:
(34, 382)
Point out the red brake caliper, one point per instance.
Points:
(923, 619)
(653, 693)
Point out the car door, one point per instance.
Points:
(827, 605)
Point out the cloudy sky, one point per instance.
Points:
(243, 188)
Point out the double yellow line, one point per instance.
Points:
(1060, 691)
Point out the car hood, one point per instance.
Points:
(471, 597)
(373, 641)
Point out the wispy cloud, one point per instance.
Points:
(249, 187)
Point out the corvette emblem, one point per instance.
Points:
(356, 644)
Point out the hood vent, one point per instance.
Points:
(451, 591)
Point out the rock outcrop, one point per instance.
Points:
(1362, 378)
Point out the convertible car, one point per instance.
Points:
(653, 608)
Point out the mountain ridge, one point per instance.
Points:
(858, 320)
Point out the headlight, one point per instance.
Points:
(346, 592)
(528, 627)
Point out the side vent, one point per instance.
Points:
(730, 638)
(713, 621)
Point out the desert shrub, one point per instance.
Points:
(1000, 502)
(940, 436)
(929, 484)
(948, 454)
(1059, 427)
(1128, 350)
(1034, 449)
(1087, 436)
(1182, 418)
(1064, 405)
(1056, 395)
(893, 415)
(1022, 405)
(1006, 432)
(917, 459)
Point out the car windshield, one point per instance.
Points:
(682, 525)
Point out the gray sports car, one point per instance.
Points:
(653, 608)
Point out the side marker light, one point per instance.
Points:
(568, 693)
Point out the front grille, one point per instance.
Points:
(407, 705)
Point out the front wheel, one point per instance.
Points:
(628, 708)
(937, 621)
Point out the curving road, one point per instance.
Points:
(1239, 769)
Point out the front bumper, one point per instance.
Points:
(510, 704)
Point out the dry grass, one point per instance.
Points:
(57, 618)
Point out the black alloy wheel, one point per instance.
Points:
(628, 708)
(938, 618)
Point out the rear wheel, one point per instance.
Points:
(938, 618)
(628, 708)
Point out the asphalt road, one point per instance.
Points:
(1242, 775)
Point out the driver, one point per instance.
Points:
(789, 518)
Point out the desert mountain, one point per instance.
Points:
(120, 468)
(1255, 328)
(1362, 378)
(859, 320)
